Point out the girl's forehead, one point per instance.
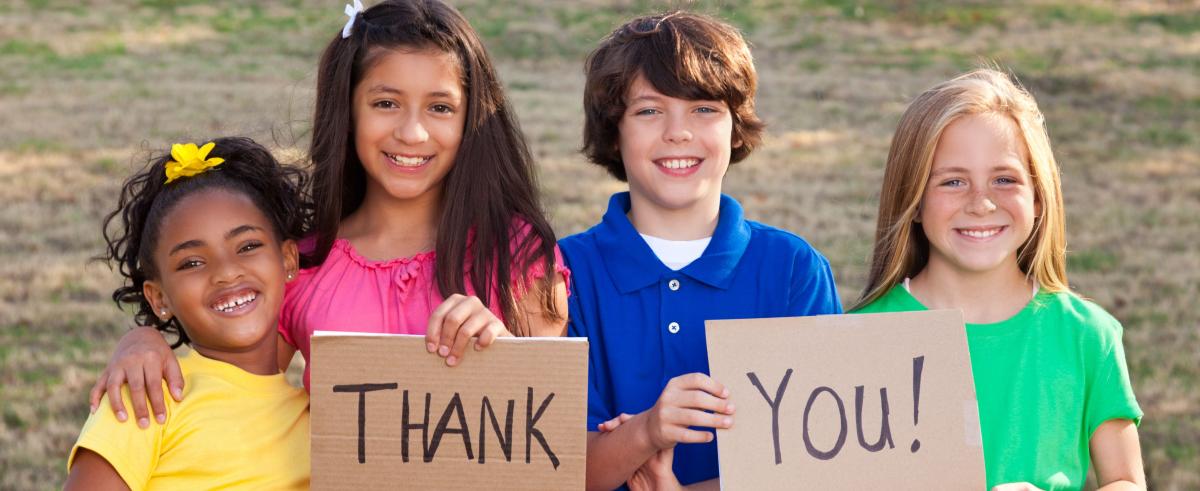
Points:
(412, 67)
(984, 133)
(208, 211)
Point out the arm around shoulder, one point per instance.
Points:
(142, 360)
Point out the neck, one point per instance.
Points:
(696, 221)
(984, 297)
(258, 359)
(385, 227)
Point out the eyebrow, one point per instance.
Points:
(189, 244)
(645, 97)
(381, 88)
(963, 170)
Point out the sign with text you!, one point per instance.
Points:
(857, 401)
(386, 414)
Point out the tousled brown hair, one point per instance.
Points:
(901, 248)
(683, 55)
(490, 187)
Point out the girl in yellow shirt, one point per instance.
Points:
(204, 238)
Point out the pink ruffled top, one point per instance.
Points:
(349, 292)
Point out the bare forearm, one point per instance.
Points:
(612, 457)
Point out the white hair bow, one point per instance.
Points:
(352, 11)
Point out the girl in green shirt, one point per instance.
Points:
(971, 218)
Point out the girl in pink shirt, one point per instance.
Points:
(426, 217)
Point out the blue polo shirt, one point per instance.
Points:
(645, 322)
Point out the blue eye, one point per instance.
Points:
(646, 111)
(1006, 180)
(706, 109)
(953, 183)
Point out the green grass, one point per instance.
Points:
(90, 90)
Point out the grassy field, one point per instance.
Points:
(86, 88)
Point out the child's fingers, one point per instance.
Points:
(694, 417)
(685, 435)
(699, 381)
(115, 380)
(612, 424)
(698, 399)
(433, 331)
(488, 335)
(174, 378)
(137, 395)
(469, 328)
(464, 310)
(97, 390)
(154, 393)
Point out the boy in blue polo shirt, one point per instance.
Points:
(669, 101)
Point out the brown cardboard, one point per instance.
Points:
(536, 374)
(937, 445)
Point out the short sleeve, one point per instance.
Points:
(523, 280)
(287, 317)
(132, 451)
(813, 290)
(1111, 394)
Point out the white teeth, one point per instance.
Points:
(679, 163)
(981, 234)
(233, 303)
(407, 161)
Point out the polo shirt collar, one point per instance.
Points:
(633, 265)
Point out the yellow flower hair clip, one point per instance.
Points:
(190, 160)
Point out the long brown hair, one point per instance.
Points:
(901, 249)
(489, 190)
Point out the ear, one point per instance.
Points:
(153, 292)
(737, 142)
(291, 258)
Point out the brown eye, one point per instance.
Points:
(249, 246)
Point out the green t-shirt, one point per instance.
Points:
(1045, 380)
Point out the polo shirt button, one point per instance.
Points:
(673, 285)
(673, 327)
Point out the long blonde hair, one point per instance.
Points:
(901, 250)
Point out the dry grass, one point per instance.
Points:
(86, 88)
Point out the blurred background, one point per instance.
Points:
(89, 88)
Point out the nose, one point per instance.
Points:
(981, 204)
(677, 130)
(225, 271)
(411, 130)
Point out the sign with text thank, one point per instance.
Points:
(386, 414)
(857, 401)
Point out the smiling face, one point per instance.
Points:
(408, 113)
(979, 204)
(221, 272)
(675, 151)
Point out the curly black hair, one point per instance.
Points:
(131, 231)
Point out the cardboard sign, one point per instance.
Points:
(859, 401)
(386, 414)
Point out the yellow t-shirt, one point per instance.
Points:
(233, 430)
